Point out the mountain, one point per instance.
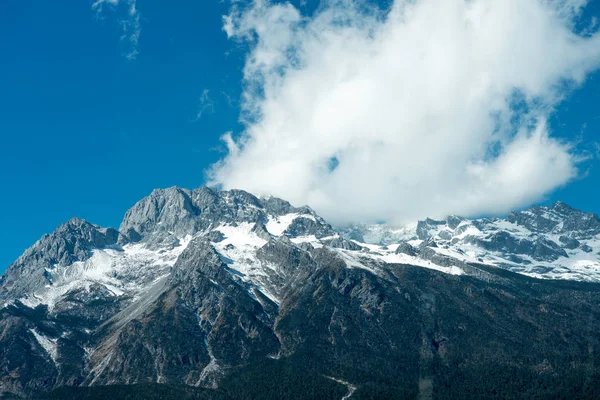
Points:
(555, 242)
(220, 294)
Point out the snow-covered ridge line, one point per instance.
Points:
(555, 242)
(544, 242)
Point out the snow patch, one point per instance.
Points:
(240, 236)
(239, 251)
(277, 225)
(129, 270)
(49, 345)
(351, 387)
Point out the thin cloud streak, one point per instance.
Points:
(206, 104)
(130, 25)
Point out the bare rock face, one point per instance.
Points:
(341, 243)
(73, 241)
(406, 248)
(221, 294)
(182, 212)
(559, 218)
(170, 210)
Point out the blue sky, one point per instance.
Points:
(86, 132)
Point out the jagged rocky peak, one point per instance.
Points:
(276, 206)
(71, 242)
(162, 223)
(182, 212)
(204, 285)
(187, 265)
(557, 242)
(425, 227)
(559, 218)
(169, 209)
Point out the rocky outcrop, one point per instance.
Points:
(406, 248)
(72, 241)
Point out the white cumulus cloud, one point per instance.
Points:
(430, 108)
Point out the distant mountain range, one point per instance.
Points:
(220, 294)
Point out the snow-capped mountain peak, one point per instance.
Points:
(201, 282)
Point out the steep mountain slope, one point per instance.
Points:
(246, 297)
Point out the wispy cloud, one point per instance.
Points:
(427, 109)
(206, 104)
(130, 23)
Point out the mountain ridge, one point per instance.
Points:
(210, 289)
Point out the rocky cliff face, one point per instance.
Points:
(246, 297)
(69, 243)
